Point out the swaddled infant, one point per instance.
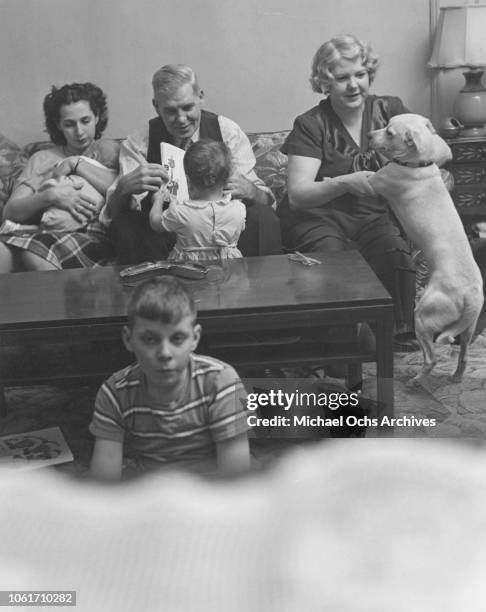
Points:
(60, 219)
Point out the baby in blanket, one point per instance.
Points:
(59, 219)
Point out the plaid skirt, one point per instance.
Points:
(82, 249)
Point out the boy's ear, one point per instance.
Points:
(197, 336)
(127, 338)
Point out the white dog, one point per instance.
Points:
(412, 185)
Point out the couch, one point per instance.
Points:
(271, 163)
(271, 166)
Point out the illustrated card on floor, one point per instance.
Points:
(34, 449)
(173, 161)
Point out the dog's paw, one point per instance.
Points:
(414, 384)
(455, 378)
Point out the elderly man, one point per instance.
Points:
(178, 102)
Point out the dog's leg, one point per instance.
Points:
(465, 337)
(425, 337)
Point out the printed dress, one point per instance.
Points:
(205, 229)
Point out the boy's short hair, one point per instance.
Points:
(163, 298)
(207, 163)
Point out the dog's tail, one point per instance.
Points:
(447, 336)
(456, 328)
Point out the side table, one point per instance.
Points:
(468, 167)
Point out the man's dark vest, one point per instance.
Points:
(208, 128)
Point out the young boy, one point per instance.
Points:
(172, 407)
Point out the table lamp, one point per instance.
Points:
(460, 41)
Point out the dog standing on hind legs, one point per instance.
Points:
(412, 185)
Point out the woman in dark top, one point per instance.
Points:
(330, 205)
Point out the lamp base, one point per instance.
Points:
(473, 132)
(470, 105)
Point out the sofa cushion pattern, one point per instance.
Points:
(12, 162)
(8, 156)
(271, 164)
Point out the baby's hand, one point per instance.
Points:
(162, 196)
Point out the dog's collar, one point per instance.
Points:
(410, 165)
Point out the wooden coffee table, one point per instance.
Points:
(256, 295)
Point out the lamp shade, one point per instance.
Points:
(460, 38)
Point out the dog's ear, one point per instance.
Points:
(421, 139)
(431, 127)
(429, 145)
(410, 138)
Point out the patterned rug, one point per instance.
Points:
(458, 409)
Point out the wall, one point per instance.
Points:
(252, 56)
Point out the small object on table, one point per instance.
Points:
(303, 259)
(192, 271)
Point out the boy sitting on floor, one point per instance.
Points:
(172, 407)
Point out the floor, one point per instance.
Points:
(458, 409)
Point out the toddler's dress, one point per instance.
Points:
(205, 229)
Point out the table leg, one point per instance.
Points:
(3, 402)
(354, 377)
(384, 371)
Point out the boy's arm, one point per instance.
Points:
(233, 455)
(107, 460)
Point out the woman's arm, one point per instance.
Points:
(107, 460)
(305, 193)
(233, 455)
(98, 176)
(24, 203)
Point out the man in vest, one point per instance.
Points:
(178, 102)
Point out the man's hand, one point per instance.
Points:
(241, 188)
(146, 177)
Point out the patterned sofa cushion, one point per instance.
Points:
(271, 164)
(8, 156)
(12, 162)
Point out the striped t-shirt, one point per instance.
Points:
(181, 433)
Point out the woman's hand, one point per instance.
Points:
(357, 183)
(69, 197)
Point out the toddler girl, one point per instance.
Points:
(208, 224)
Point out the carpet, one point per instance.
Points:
(458, 409)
